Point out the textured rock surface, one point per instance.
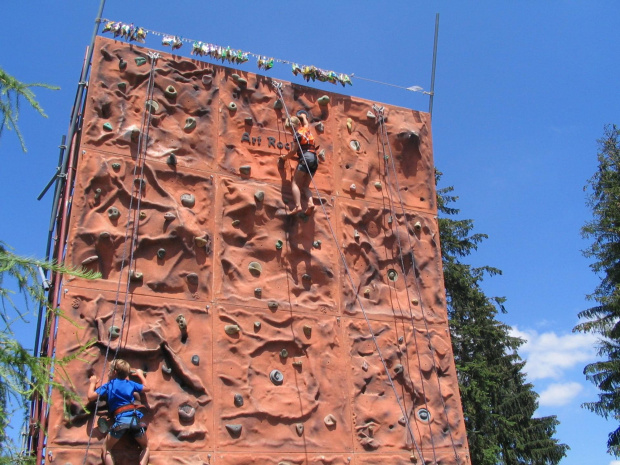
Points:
(177, 227)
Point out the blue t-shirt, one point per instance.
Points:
(119, 393)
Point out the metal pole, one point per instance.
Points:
(430, 100)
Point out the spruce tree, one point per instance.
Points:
(604, 317)
(498, 403)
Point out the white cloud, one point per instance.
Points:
(559, 394)
(549, 355)
(614, 462)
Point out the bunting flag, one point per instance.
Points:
(131, 33)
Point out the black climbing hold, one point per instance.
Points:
(172, 159)
(113, 213)
(284, 353)
(299, 427)
(234, 430)
(186, 412)
(273, 305)
(195, 360)
(257, 325)
(392, 274)
(122, 64)
(307, 331)
(238, 400)
(161, 253)
(188, 200)
(245, 169)
(259, 196)
(258, 292)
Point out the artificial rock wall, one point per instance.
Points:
(185, 215)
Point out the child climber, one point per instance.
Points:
(119, 391)
(308, 162)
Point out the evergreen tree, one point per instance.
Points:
(604, 317)
(498, 403)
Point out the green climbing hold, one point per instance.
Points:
(324, 100)
(190, 123)
(242, 82)
(107, 127)
(378, 185)
(259, 196)
(231, 330)
(122, 86)
(172, 159)
(116, 166)
(307, 331)
(188, 200)
(114, 332)
(122, 64)
(392, 274)
(170, 92)
(284, 353)
(140, 61)
(279, 244)
(235, 77)
(200, 242)
(245, 169)
(255, 268)
(278, 104)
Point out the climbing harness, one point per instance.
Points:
(379, 111)
(278, 87)
(136, 192)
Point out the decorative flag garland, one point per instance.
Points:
(132, 33)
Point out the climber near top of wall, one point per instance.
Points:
(119, 391)
(305, 149)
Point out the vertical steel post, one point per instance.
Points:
(430, 101)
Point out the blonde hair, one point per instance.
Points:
(293, 121)
(121, 367)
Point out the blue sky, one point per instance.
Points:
(523, 91)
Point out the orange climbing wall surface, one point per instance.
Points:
(200, 229)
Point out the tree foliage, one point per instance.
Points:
(498, 403)
(12, 92)
(604, 317)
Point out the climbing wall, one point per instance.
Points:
(265, 336)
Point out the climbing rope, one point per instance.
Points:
(379, 111)
(278, 87)
(140, 163)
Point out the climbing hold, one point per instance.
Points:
(352, 187)
(273, 305)
(234, 430)
(367, 293)
(182, 322)
(170, 92)
(140, 61)
(97, 193)
(200, 241)
(355, 145)
(195, 360)
(398, 370)
(320, 128)
(402, 421)
(241, 82)
(192, 278)
(417, 225)
(316, 244)
(307, 331)
(249, 121)
(116, 166)
(141, 183)
(349, 125)
(107, 127)
(257, 325)
(122, 86)
(236, 223)
(152, 106)
(190, 123)
(104, 235)
(231, 330)
(238, 399)
(415, 301)
(324, 100)
(306, 277)
(299, 427)
(378, 185)
(297, 364)
(276, 377)
(392, 274)
(122, 64)
(356, 235)
(258, 292)
(114, 332)
(390, 219)
(235, 77)
(113, 213)
(329, 420)
(279, 244)
(322, 155)
(424, 415)
(186, 412)
(142, 215)
(172, 159)
(169, 216)
(135, 275)
(188, 200)
(102, 425)
(255, 268)
(166, 369)
(284, 353)
(365, 366)
(413, 458)
(245, 169)
(278, 105)
(259, 196)
(207, 80)
(232, 106)
(91, 259)
(371, 115)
